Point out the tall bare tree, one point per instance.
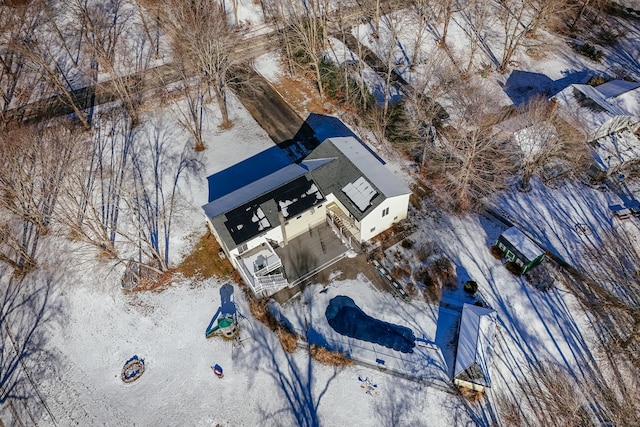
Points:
(303, 35)
(546, 140)
(103, 26)
(472, 160)
(203, 43)
(34, 168)
(189, 108)
(478, 16)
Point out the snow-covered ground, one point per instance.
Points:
(88, 327)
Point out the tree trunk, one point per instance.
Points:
(221, 99)
(585, 3)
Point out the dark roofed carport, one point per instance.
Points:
(311, 252)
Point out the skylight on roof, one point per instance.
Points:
(360, 192)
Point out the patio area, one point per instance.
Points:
(311, 252)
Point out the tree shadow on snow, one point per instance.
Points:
(298, 384)
(27, 306)
(521, 86)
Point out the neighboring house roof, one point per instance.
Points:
(522, 243)
(595, 106)
(616, 149)
(615, 88)
(342, 166)
(475, 344)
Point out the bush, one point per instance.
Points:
(608, 37)
(597, 80)
(412, 289)
(435, 276)
(397, 129)
(407, 243)
(472, 396)
(445, 272)
(514, 268)
(471, 287)
(425, 251)
(288, 340)
(327, 357)
(496, 252)
(399, 273)
(340, 86)
(589, 51)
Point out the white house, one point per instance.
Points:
(341, 182)
(475, 348)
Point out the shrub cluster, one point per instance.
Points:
(588, 50)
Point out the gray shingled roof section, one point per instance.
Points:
(522, 243)
(219, 222)
(475, 341)
(353, 160)
(371, 167)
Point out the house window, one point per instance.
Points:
(242, 248)
(519, 262)
(395, 217)
(385, 212)
(501, 246)
(373, 229)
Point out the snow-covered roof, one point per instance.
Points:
(475, 344)
(623, 95)
(595, 106)
(616, 149)
(522, 243)
(614, 88)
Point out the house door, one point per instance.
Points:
(510, 256)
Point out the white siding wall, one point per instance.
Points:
(374, 223)
(300, 223)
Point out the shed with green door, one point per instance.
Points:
(519, 249)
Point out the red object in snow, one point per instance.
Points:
(217, 369)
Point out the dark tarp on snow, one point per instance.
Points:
(346, 318)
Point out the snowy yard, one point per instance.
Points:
(74, 327)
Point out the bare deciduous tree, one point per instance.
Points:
(34, 169)
(478, 17)
(471, 160)
(91, 208)
(551, 395)
(303, 33)
(546, 140)
(204, 44)
(103, 26)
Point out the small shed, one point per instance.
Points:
(518, 248)
(475, 347)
